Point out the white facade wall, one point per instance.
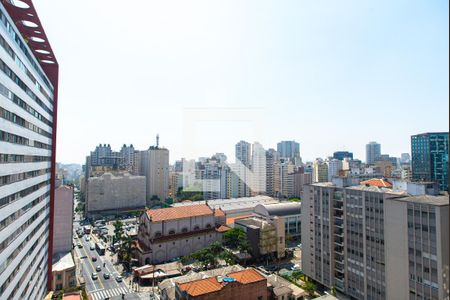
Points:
(109, 192)
(30, 198)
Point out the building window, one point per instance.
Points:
(184, 230)
(157, 234)
(196, 227)
(208, 225)
(172, 231)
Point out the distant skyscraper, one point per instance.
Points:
(243, 155)
(405, 158)
(259, 168)
(288, 149)
(320, 171)
(28, 117)
(430, 158)
(342, 154)
(272, 172)
(155, 163)
(373, 152)
(334, 166)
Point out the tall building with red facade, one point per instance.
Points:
(28, 113)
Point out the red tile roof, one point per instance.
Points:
(247, 276)
(377, 182)
(232, 220)
(211, 285)
(219, 213)
(222, 228)
(180, 212)
(201, 287)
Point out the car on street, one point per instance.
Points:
(119, 278)
(92, 247)
(94, 276)
(106, 275)
(98, 269)
(79, 245)
(88, 238)
(94, 258)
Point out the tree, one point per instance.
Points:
(333, 291)
(310, 288)
(118, 231)
(297, 274)
(235, 237)
(125, 250)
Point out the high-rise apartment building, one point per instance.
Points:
(430, 158)
(373, 152)
(374, 243)
(28, 114)
(320, 171)
(272, 173)
(155, 163)
(259, 169)
(243, 155)
(334, 166)
(288, 149)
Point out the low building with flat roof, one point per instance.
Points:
(63, 271)
(234, 207)
(290, 212)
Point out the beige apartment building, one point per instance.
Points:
(173, 232)
(109, 192)
(367, 241)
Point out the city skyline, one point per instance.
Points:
(366, 74)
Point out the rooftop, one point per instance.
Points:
(211, 285)
(232, 204)
(377, 182)
(376, 189)
(179, 212)
(63, 262)
(279, 209)
(168, 285)
(247, 276)
(426, 199)
(201, 287)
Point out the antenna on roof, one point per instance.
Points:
(157, 140)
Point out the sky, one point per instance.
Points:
(331, 75)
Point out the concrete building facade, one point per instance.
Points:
(28, 122)
(62, 233)
(358, 239)
(109, 192)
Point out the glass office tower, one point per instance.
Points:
(28, 105)
(429, 158)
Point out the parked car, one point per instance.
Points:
(94, 276)
(119, 278)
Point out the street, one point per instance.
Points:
(99, 288)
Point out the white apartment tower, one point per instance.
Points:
(155, 162)
(28, 107)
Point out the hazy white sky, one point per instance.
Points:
(332, 75)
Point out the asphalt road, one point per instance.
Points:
(100, 288)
